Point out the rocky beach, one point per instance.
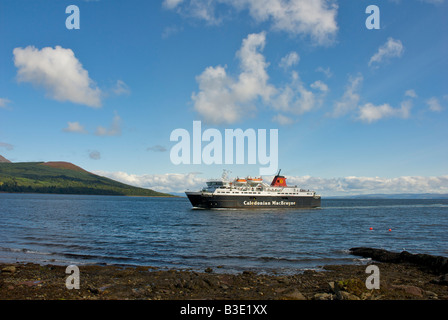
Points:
(402, 276)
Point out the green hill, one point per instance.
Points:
(63, 178)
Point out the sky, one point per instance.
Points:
(359, 98)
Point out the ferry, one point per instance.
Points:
(252, 193)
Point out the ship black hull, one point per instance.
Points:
(208, 201)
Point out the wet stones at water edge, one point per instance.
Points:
(434, 264)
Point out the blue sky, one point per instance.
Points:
(357, 110)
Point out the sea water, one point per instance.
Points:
(168, 233)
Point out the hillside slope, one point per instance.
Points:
(64, 178)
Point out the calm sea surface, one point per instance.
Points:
(71, 229)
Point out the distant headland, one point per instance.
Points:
(61, 177)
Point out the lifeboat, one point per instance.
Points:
(254, 181)
(239, 181)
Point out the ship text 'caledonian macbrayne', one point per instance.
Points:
(252, 193)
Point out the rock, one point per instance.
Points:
(9, 269)
(432, 295)
(248, 273)
(344, 295)
(93, 290)
(208, 270)
(353, 286)
(293, 294)
(442, 280)
(436, 264)
(412, 290)
(323, 296)
(30, 283)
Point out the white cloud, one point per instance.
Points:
(113, 130)
(371, 113)
(289, 60)
(223, 99)
(75, 127)
(296, 99)
(170, 31)
(168, 182)
(434, 104)
(175, 182)
(326, 71)
(199, 9)
(411, 93)
(372, 185)
(319, 85)
(171, 4)
(314, 18)
(4, 102)
(59, 72)
(350, 99)
(391, 49)
(282, 120)
(121, 88)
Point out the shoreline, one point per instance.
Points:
(398, 281)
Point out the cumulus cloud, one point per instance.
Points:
(75, 127)
(289, 60)
(4, 102)
(372, 185)
(411, 93)
(319, 85)
(59, 72)
(176, 182)
(391, 49)
(316, 18)
(350, 99)
(434, 104)
(371, 113)
(313, 18)
(224, 99)
(170, 31)
(282, 119)
(326, 71)
(199, 9)
(113, 130)
(121, 88)
(295, 98)
(168, 182)
(368, 112)
(171, 4)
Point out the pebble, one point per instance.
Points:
(294, 295)
(323, 296)
(9, 269)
